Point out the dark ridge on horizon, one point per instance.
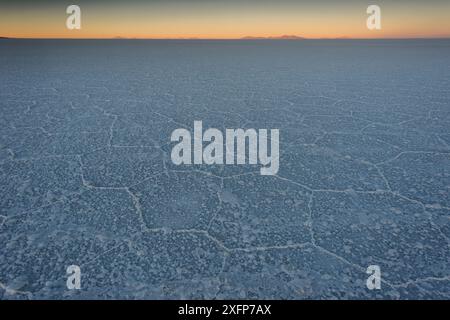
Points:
(283, 37)
(250, 38)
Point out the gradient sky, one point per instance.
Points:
(224, 18)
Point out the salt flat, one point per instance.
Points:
(87, 179)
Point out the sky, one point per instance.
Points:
(224, 19)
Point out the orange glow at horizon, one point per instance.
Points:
(144, 23)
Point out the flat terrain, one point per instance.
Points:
(86, 176)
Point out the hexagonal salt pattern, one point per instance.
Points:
(86, 175)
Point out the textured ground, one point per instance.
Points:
(86, 176)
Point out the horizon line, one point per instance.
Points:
(246, 38)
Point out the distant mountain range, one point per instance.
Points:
(283, 37)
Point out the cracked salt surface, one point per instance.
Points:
(86, 176)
